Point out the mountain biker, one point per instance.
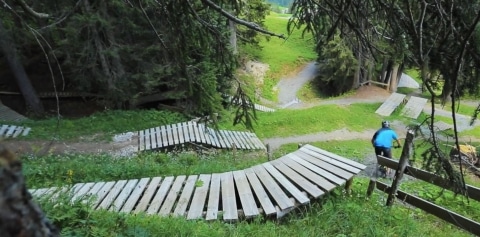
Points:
(382, 141)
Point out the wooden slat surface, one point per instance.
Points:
(392, 102)
(172, 196)
(213, 198)
(199, 197)
(273, 188)
(187, 192)
(247, 199)
(112, 194)
(229, 202)
(260, 192)
(147, 195)
(160, 195)
(414, 107)
(310, 175)
(301, 181)
(123, 195)
(135, 195)
(287, 185)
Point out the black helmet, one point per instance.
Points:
(385, 124)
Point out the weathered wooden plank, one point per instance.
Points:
(25, 131)
(310, 175)
(186, 196)
(254, 139)
(240, 141)
(153, 138)
(170, 135)
(172, 196)
(249, 206)
(213, 198)
(135, 195)
(3, 130)
(163, 135)
(273, 188)
(147, 195)
(158, 137)
(414, 107)
(82, 191)
(215, 139)
(91, 196)
(123, 195)
(201, 134)
(260, 192)
(301, 181)
(226, 138)
(75, 188)
(324, 173)
(229, 200)
(325, 165)
(148, 145)
(291, 188)
(38, 193)
(245, 139)
(176, 140)
(192, 132)
(392, 102)
(160, 195)
(186, 132)
(331, 161)
(438, 211)
(107, 201)
(17, 132)
(199, 197)
(335, 156)
(141, 140)
(10, 131)
(181, 139)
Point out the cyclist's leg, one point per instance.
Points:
(388, 153)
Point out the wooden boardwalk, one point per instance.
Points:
(263, 108)
(414, 107)
(198, 133)
(271, 189)
(390, 104)
(12, 131)
(7, 114)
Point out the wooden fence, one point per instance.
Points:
(401, 168)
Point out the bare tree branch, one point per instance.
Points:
(32, 12)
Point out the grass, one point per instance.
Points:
(283, 56)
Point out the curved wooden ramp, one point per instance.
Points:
(181, 133)
(392, 102)
(272, 189)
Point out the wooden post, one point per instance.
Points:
(269, 152)
(407, 148)
(371, 187)
(348, 186)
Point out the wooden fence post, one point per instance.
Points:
(269, 152)
(407, 150)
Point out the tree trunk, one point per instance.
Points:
(394, 78)
(233, 36)
(7, 47)
(19, 215)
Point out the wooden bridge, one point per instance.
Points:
(198, 133)
(412, 109)
(12, 131)
(272, 189)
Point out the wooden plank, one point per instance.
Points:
(10, 131)
(172, 196)
(260, 193)
(247, 199)
(414, 107)
(153, 138)
(438, 211)
(158, 137)
(240, 141)
(75, 188)
(38, 193)
(207, 136)
(186, 196)
(213, 198)
(273, 188)
(107, 201)
(310, 175)
(335, 156)
(148, 145)
(322, 172)
(392, 102)
(123, 195)
(226, 138)
(472, 191)
(214, 138)
(3, 129)
(141, 140)
(135, 195)
(186, 132)
(245, 139)
(332, 161)
(254, 139)
(163, 131)
(49, 192)
(82, 191)
(325, 165)
(181, 137)
(191, 132)
(287, 185)
(201, 134)
(17, 132)
(25, 132)
(229, 200)
(176, 140)
(91, 195)
(170, 135)
(160, 196)
(199, 197)
(147, 195)
(301, 181)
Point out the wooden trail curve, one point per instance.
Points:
(192, 132)
(271, 189)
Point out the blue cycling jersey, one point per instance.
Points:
(384, 138)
